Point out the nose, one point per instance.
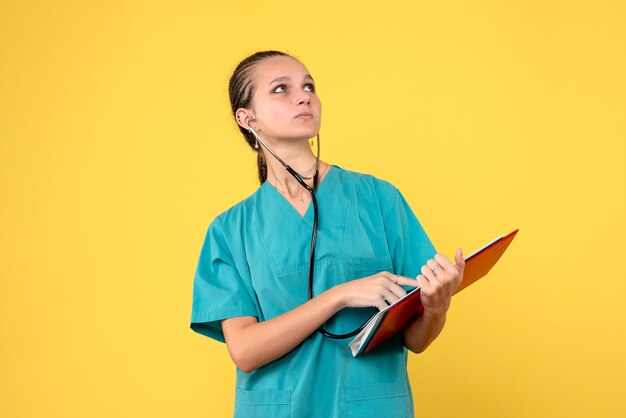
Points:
(303, 98)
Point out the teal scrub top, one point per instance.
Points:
(255, 262)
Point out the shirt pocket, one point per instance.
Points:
(378, 400)
(367, 266)
(262, 403)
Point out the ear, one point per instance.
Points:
(243, 117)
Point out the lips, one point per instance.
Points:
(304, 114)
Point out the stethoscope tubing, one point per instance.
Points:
(300, 179)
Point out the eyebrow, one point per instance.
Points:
(285, 78)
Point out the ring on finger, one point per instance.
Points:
(435, 267)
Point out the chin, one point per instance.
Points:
(303, 135)
(297, 134)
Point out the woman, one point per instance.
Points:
(250, 288)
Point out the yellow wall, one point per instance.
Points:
(117, 150)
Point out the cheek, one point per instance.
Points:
(268, 110)
(316, 103)
(273, 116)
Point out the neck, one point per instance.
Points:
(297, 155)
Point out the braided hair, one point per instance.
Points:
(241, 90)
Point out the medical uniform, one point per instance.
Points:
(255, 262)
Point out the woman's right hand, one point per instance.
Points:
(253, 344)
(378, 290)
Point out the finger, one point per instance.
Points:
(435, 267)
(460, 261)
(449, 272)
(381, 304)
(424, 284)
(393, 278)
(405, 281)
(428, 273)
(397, 290)
(436, 283)
(444, 262)
(389, 296)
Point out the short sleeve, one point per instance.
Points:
(220, 289)
(408, 243)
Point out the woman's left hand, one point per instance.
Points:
(438, 281)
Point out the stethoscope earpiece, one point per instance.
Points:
(300, 178)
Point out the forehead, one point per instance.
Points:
(278, 66)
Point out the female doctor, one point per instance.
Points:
(251, 287)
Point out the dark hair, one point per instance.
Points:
(241, 90)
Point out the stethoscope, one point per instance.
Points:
(300, 179)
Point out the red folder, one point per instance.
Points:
(394, 318)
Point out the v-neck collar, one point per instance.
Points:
(267, 186)
(286, 234)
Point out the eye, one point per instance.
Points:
(309, 87)
(282, 86)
